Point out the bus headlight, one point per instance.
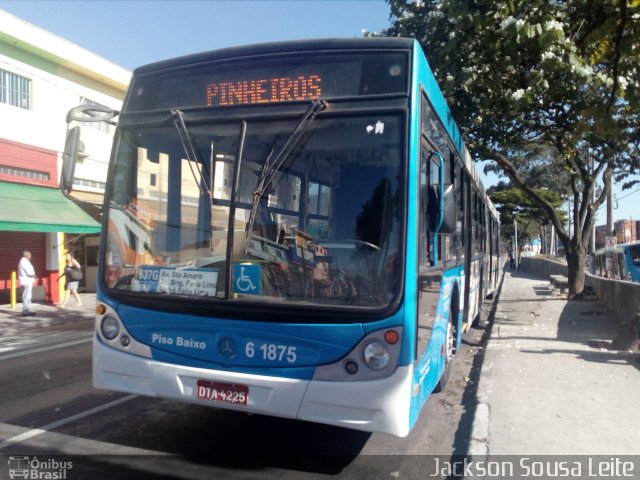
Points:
(376, 355)
(110, 327)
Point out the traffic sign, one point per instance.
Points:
(611, 243)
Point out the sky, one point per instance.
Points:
(133, 33)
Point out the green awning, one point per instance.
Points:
(27, 208)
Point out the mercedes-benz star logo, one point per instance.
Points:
(227, 347)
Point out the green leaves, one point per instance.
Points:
(563, 74)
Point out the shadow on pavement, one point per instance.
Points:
(589, 323)
(462, 438)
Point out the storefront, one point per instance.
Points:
(47, 223)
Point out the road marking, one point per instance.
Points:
(39, 431)
(65, 444)
(25, 349)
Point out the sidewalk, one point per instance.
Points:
(13, 324)
(547, 387)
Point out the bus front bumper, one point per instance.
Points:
(380, 405)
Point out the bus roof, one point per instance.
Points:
(368, 43)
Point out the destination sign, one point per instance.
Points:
(184, 281)
(270, 81)
(271, 90)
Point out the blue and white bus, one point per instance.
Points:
(293, 229)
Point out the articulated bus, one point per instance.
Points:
(313, 240)
(623, 263)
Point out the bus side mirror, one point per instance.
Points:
(72, 150)
(73, 147)
(449, 213)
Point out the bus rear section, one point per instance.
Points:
(632, 261)
(620, 263)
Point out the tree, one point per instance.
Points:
(561, 74)
(536, 167)
(510, 202)
(514, 205)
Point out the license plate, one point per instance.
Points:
(222, 392)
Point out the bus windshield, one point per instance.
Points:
(186, 215)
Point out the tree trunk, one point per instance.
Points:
(575, 262)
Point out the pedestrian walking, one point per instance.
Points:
(72, 275)
(27, 277)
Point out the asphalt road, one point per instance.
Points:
(49, 411)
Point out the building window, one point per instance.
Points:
(21, 172)
(15, 90)
(88, 184)
(152, 180)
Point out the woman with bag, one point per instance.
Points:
(72, 275)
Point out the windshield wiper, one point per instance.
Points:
(271, 168)
(192, 157)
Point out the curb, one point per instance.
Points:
(479, 437)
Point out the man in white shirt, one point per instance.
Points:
(27, 276)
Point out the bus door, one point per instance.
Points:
(430, 271)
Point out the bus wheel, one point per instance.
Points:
(450, 352)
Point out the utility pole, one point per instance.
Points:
(610, 210)
(570, 210)
(610, 233)
(515, 250)
(592, 238)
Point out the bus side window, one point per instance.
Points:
(458, 235)
(474, 221)
(433, 208)
(621, 273)
(483, 227)
(423, 223)
(429, 205)
(447, 245)
(461, 210)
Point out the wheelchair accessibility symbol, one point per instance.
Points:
(246, 279)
